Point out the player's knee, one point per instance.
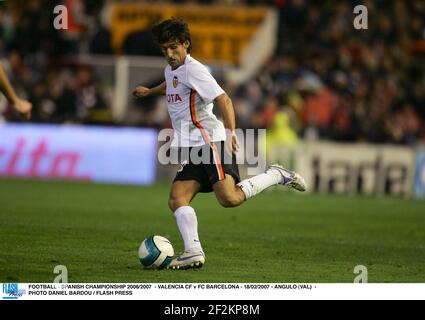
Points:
(173, 204)
(229, 201)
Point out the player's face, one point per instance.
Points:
(175, 52)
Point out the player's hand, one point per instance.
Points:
(141, 92)
(232, 143)
(24, 107)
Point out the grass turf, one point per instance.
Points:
(95, 231)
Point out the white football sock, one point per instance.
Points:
(188, 226)
(256, 184)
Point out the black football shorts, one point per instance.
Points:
(210, 165)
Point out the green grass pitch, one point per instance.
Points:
(95, 231)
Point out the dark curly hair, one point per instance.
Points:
(172, 29)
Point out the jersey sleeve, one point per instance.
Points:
(200, 80)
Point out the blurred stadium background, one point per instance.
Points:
(344, 107)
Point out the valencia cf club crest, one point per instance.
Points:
(181, 167)
(175, 81)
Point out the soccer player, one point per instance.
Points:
(22, 106)
(191, 92)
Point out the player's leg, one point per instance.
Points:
(228, 193)
(181, 194)
(231, 192)
(276, 174)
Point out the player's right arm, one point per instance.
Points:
(21, 105)
(142, 92)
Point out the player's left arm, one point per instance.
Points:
(228, 113)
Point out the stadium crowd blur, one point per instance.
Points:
(326, 80)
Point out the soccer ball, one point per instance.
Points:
(156, 252)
